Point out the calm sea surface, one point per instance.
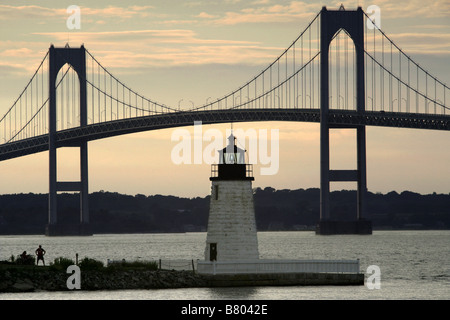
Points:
(413, 264)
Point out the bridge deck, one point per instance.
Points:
(338, 118)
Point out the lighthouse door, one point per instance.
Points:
(213, 251)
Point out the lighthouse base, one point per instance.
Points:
(281, 272)
(231, 224)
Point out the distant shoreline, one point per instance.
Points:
(181, 232)
(275, 210)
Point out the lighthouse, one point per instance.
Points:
(231, 233)
(232, 243)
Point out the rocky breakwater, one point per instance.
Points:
(33, 278)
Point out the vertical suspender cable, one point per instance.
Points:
(105, 90)
(407, 90)
(271, 88)
(390, 86)
(129, 101)
(435, 95)
(278, 69)
(98, 93)
(365, 67)
(400, 88)
(373, 70)
(426, 94)
(92, 90)
(310, 70)
(31, 102)
(74, 95)
(318, 64)
(286, 104)
(417, 89)
(313, 83)
(20, 111)
(302, 77)
(111, 95)
(338, 69)
(37, 105)
(382, 74)
(295, 77)
(346, 74)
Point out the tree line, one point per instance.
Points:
(275, 210)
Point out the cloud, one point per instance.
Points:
(11, 69)
(403, 8)
(192, 55)
(206, 15)
(8, 12)
(262, 11)
(21, 52)
(261, 2)
(415, 8)
(145, 48)
(422, 43)
(266, 14)
(24, 57)
(179, 36)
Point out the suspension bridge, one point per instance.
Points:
(338, 72)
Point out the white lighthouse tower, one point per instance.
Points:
(231, 225)
(232, 243)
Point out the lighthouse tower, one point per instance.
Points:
(231, 224)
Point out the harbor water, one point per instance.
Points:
(412, 264)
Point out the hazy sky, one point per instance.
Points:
(182, 53)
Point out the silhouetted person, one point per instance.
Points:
(40, 252)
(23, 255)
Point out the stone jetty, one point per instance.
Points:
(45, 279)
(33, 278)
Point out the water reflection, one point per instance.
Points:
(240, 293)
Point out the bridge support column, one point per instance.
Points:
(58, 57)
(61, 228)
(331, 23)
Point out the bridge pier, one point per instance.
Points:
(54, 227)
(76, 57)
(331, 23)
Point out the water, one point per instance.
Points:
(413, 264)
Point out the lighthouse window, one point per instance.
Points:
(216, 192)
(231, 158)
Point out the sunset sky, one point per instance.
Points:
(182, 53)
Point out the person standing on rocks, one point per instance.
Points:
(40, 252)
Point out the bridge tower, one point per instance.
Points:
(332, 22)
(58, 57)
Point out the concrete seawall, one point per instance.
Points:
(28, 279)
(285, 279)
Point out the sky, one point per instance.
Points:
(183, 53)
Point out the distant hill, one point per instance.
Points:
(275, 210)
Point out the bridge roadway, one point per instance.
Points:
(338, 118)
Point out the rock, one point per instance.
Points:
(23, 286)
(32, 279)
